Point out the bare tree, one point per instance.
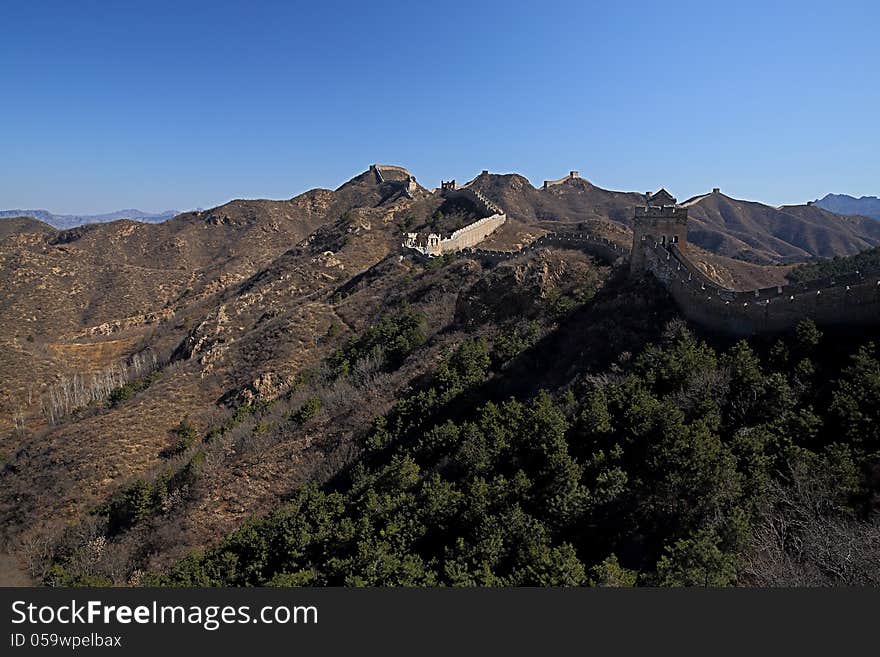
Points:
(80, 390)
(805, 538)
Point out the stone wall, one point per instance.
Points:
(398, 176)
(660, 247)
(390, 173)
(571, 176)
(852, 300)
(665, 224)
(679, 250)
(466, 237)
(472, 234)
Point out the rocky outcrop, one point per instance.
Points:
(207, 341)
(109, 328)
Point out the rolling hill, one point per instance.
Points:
(761, 233)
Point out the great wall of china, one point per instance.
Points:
(386, 173)
(660, 248)
(466, 237)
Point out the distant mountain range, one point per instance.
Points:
(867, 206)
(63, 221)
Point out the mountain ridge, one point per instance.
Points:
(746, 230)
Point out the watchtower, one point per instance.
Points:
(661, 220)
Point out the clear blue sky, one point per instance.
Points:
(159, 105)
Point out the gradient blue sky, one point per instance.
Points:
(161, 105)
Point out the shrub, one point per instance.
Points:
(184, 435)
(307, 411)
(128, 390)
(391, 340)
(136, 502)
(514, 341)
(838, 266)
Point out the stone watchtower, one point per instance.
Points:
(660, 221)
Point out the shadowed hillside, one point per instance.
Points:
(23, 225)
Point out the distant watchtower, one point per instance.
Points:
(660, 220)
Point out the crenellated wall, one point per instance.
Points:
(852, 300)
(660, 247)
(398, 176)
(479, 199)
(472, 234)
(465, 237)
(666, 224)
(572, 175)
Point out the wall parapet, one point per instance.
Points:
(475, 196)
(572, 175)
(853, 299)
(653, 212)
(397, 176)
(660, 247)
(466, 236)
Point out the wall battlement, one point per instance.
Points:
(654, 213)
(853, 300)
(660, 247)
(572, 175)
(484, 205)
(465, 237)
(398, 176)
(659, 220)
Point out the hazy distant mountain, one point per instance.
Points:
(868, 206)
(63, 221)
